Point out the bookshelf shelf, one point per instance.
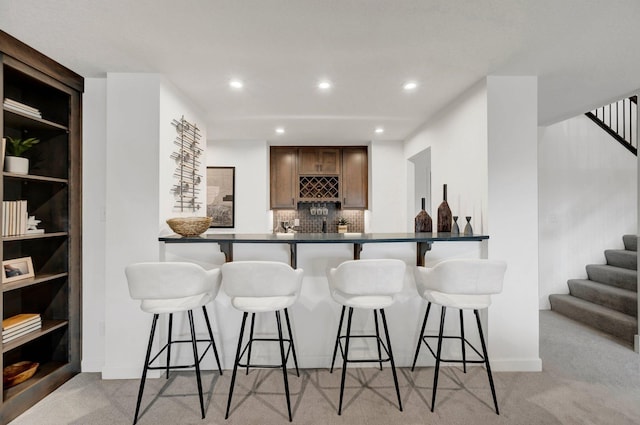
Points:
(51, 95)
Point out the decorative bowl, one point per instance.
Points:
(18, 372)
(189, 226)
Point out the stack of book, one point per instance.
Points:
(14, 105)
(14, 218)
(19, 325)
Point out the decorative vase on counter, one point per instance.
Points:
(468, 230)
(444, 213)
(455, 230)
(423, 222)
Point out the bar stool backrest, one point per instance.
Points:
(369, 277)
(260, 279)
(170, 280)
(462, 276)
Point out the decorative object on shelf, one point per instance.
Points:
(220, 196)
(15, 106)
(343, 225)
(468, 230)
(423, 222)
(19, 372)
(32, 225)
(17, 269)
(455, 230)
(188, 165)
(16, 148)
(444, 213)
(189, 226)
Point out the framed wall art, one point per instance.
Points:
(17, 269)
(220, 196)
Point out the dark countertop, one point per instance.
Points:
(296, 238)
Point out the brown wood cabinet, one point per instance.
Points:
(319, 161)
(52, 189)
(284, 177)
(355, 179)
(301, 174)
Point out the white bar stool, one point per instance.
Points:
(258, 287)
(465, 285)
(167, 288)
(365, 284)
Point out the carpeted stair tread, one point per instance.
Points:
(613, 276)
(622, 258)
(630, 242)
(608, 296)
(605, 319)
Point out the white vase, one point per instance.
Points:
(16, 165)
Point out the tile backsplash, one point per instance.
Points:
(313, 223)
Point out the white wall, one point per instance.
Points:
(478, 144)
(387, 168)
(513, 327)
(587, 201)
(94, 104)
(457, 137)
(124, 129)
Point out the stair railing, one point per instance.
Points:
(619, 119)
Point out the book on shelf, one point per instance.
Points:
(16, 106)
(19, 319)
(14, 218)
(23, 332)
(21, 327)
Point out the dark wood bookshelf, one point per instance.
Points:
(53, 191)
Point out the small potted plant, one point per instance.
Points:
(16, 148)
(342, 224)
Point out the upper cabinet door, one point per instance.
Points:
(319, 161)
(355, 179)
(283, 177)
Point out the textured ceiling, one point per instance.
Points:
(584, 53)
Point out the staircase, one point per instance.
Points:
(608, 299)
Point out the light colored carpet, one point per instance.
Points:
(588, 378)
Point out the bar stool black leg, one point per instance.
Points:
(213, 342)
(169, 343)
(344, 359)
(393, 364)
(293, 346)
(464, 354)
(284, 364)
(335, 349)
(146, 366)
(486, 361)
(235, 363)
(424, 326)
(196, 359)
(253, 318)
(435, 375)
(375, 317)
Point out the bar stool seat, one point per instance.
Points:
(464, 284)
(365, 284)
(259, 287)
(167, 288)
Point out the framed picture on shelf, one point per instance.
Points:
(220, 196)
(17, 269)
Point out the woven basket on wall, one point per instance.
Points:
(189, 226)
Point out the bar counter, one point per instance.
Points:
(227, 240)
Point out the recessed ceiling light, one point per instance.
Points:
(280, 130)
(236, 84)
(379, 130)
(410, 85)
(324, 85)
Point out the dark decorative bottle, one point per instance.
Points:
(444, 214)
(423, 221)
